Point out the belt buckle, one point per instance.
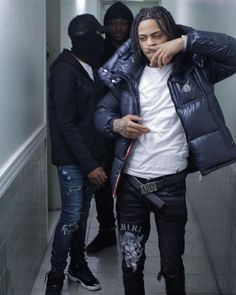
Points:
(148, 188)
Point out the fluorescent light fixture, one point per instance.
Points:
(80, 6)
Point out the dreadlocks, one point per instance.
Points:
(165, 21)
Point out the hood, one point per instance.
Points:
(118, 10)
(65, 57)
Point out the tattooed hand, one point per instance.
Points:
(127, 127)
(97, 177)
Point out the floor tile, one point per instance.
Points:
(106, 265)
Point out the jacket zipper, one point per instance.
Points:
(119, 174)
(137, 105)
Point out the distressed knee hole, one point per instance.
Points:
(68, 229)
(168, 275)
(75, 189)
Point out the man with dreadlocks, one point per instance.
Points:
(165, 117)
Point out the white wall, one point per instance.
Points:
(69, 9)
(54, 47)
(133, 5)
(218, 16)
(53, 8)
(22, 75)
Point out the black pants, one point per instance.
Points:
(105, 206)
(133, 215)
(103, 196)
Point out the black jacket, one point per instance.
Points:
(116, 11)
(71, 106)
(208, 58)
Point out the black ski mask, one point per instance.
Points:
(88, 47)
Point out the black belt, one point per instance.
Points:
(147, 187)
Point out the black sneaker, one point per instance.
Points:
(82, 274)
(105, 238)
(54, 283)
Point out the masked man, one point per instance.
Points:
(77, 150)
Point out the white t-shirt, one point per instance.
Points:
(88, 69)
(164, 149)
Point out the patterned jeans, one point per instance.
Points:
(134, 227)
(71, 228)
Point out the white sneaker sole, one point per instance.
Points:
(90, 288)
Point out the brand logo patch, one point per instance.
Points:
(187, 88)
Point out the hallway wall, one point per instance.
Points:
(23, 226)
(213, 199)
(53, 33)
(22, 107)
(23, 174)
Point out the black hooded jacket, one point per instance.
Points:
(116, 10)
(71, 105)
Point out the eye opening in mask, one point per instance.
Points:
(100, 31)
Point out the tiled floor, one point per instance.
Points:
(106, 266)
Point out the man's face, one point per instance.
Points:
(150, 35)
(119, 29)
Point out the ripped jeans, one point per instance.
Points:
(69, 237)
(133, 215)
